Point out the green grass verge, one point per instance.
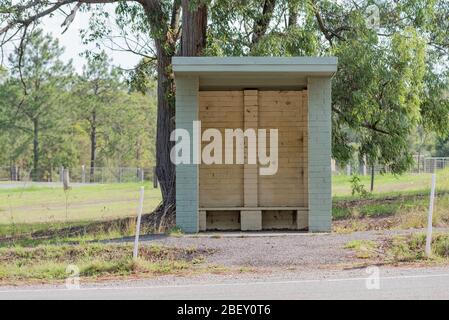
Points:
(392, 185)
(405, 207)
(74, 233)
(40, 205)
(412, 248)
(404, 212)
(363, 248)
(50, 262)
(403, 249)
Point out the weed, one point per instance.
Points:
(176, 232)
(364, 248)
(412, 248)
(357, 187)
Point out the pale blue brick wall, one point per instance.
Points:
(320, 193)
(187, 174)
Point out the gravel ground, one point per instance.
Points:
(270, 257)
(277, 250)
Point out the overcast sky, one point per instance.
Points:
(71, 40)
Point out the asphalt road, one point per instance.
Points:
(412, 285)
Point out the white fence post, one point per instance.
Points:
(430, 217)
(83, 173)
(66, 179)
(139, 219)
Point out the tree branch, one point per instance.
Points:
(365, 124)
(60, 3)
(261, 24)
(329, 34)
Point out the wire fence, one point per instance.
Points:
(422, 165)
(81, 174)
(94, 202)
(106, 175)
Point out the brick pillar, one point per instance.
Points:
(187, 174)
(319, 164)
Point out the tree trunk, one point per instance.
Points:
(35, 175)
(293, 9)
(262, 23)
(372, 178)
(165, 169)
(193, 41)
(93, 145)
(194, 28)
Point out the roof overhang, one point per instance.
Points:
(260, 72)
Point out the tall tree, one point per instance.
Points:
(96, 91)
(194, 28)
(42, 77)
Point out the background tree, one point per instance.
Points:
(43, 78)
(13, 141)
(124, 118)
(130, 131)
(96, 91)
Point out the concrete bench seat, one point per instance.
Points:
(254, 218)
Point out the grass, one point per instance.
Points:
(38, 209)
(403, 249)
(404, 208)
(50, 262)
(405, 212)
(412, 248)
(363, 248)
(176, 232)
(37, 204)
(390, 184)
(79, 234)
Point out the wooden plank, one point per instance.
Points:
(240, 186)
(221, 184)
(283, 110)
(250, 172)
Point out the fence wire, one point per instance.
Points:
(101, 175)
(422, 165)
